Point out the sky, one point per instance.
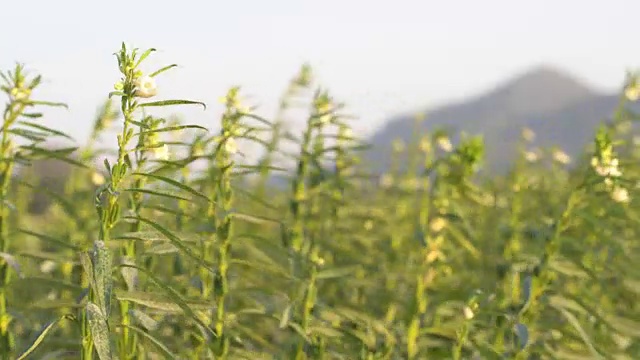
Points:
(381, 58)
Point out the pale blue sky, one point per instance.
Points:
(381, 57)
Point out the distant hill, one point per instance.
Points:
(559, 108)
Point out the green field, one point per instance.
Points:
(173, 246)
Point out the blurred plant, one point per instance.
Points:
(18, 86)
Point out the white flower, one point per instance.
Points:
(145, 87)
(230, 146)
(531, 156)
(620, 194)
(606, 170)
(468, 313)
(162, 152)
(47, 266)
(438, 224)
(561, 157)
(444, 144)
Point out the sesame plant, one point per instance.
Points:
(18, 123)
(258, 238)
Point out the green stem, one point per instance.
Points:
(421, 300)
(7, 345)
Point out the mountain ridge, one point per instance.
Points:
(560, 107)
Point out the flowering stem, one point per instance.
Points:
(110, 214)
(222, 199)
(6, 169)
(305, 250)
(425, 272)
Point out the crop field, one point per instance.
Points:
(172, 245)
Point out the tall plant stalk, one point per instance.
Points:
(19, 87)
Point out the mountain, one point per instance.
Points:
(558, 107)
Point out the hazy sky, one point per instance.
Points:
(380, 57)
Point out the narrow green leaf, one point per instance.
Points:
(157, 193)
(261, 220)
(583, 334)
(172, 128)
(29, 135)
(174, 297)
(161, 249)
(298, 329)
(175, 241)
(32, 115)
(157, 343)
(285, 318)
(156, 236)
(44, 128)
(158, 72)
(464, 241)
(258, 118)
(336, 272)
(173, 102)
(174, 183)
(139, 124)
(166, 210)
(47, 103)
(151, 300)
(53, 154)
(43, 335)
(325, 332)
(144, 56)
